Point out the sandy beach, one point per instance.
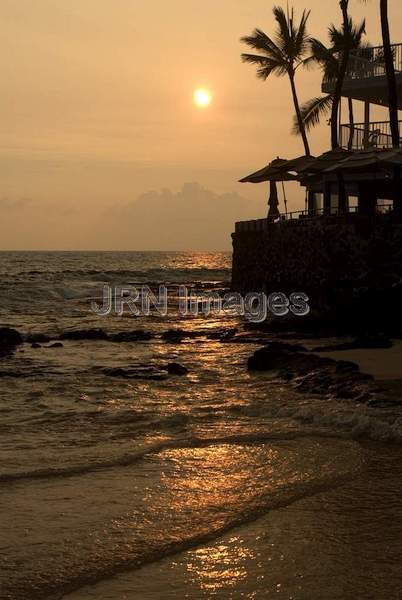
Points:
(340, 544)
(122, 478)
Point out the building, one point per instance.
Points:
(366, 81)
(345, 247)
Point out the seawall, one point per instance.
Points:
(349, 266)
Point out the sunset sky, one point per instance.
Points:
(100, 130)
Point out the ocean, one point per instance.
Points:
(121, 478)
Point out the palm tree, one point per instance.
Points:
(282, 55)
(390, 73)
(329, 60)
(343, 66)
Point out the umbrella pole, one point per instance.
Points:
(285, 201)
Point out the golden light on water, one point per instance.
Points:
(202, 97)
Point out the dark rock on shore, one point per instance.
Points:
(36, 345)
(137, 335)
(10, 337)
(137, 372)
(177, 335)
(310, 373)
(9, 340)
(149, 372)
(278, 356)
(84, 334)
(56, 345)
(343, 366)
(176, 369)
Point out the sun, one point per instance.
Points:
(202, 98)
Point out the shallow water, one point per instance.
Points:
(339, 544)
(102, 474)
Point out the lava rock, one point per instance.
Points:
(9, 340)
(131, 336)
(275, 357)
(10, 337)
(36, 345)
(139, 372)
(56, 345)
(346, 366)
(174, 335)
(176, 369)
(84, 334)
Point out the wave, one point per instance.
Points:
(128, 459)
(260, 494)
(154, 273)
(355, 424)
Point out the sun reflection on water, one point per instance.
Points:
(219, 567)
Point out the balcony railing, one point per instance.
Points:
(367, 63)
(376, 135)
(300, 216)
(370, 62)
(303, 217)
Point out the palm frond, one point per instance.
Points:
(265, 65)
(283, 33)
(325, 57)
(312, 111)
(302, 40)
(340, 38)
(291, 37)
(260, 41)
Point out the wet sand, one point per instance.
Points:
(343, 544)
(383, 364)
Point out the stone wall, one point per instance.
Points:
(341, 263)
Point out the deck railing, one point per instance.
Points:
(376, 135)
(301, 217)
(369, 62)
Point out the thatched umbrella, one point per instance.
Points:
(324, 161)
(370, 158)
(273, 173)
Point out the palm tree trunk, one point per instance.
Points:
(351, 124)
(390, 71)
(298, 115)
(341, 76)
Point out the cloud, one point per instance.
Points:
(15, 203)
(192, 218)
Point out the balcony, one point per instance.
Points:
(366, 77)
(305, 217)
(377, 134)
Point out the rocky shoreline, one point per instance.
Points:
(303, 368)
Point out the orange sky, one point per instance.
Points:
(96, 106)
